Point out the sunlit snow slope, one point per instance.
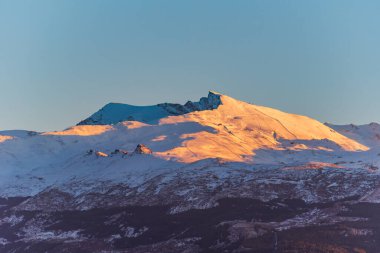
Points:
(233, 130)
(239, 129)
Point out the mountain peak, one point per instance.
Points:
(113, 113)
(214, 93)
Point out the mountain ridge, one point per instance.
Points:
(113, 113)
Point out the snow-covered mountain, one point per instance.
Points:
(229, 130)
(181, 157)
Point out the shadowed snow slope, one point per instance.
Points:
(115, 112)
(18, 133)
(368, 134)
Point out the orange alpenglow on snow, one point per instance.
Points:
(219, 127)
(83, 130)
(242, 128)
(5, 137)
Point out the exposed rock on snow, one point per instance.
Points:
(119, 152)
(12, 220)
(142, 149)
(132, 232)
(3, 241)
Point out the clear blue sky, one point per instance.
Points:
(60, 61)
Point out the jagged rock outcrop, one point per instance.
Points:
(142, 149)
(113, 113)
(119, 152)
